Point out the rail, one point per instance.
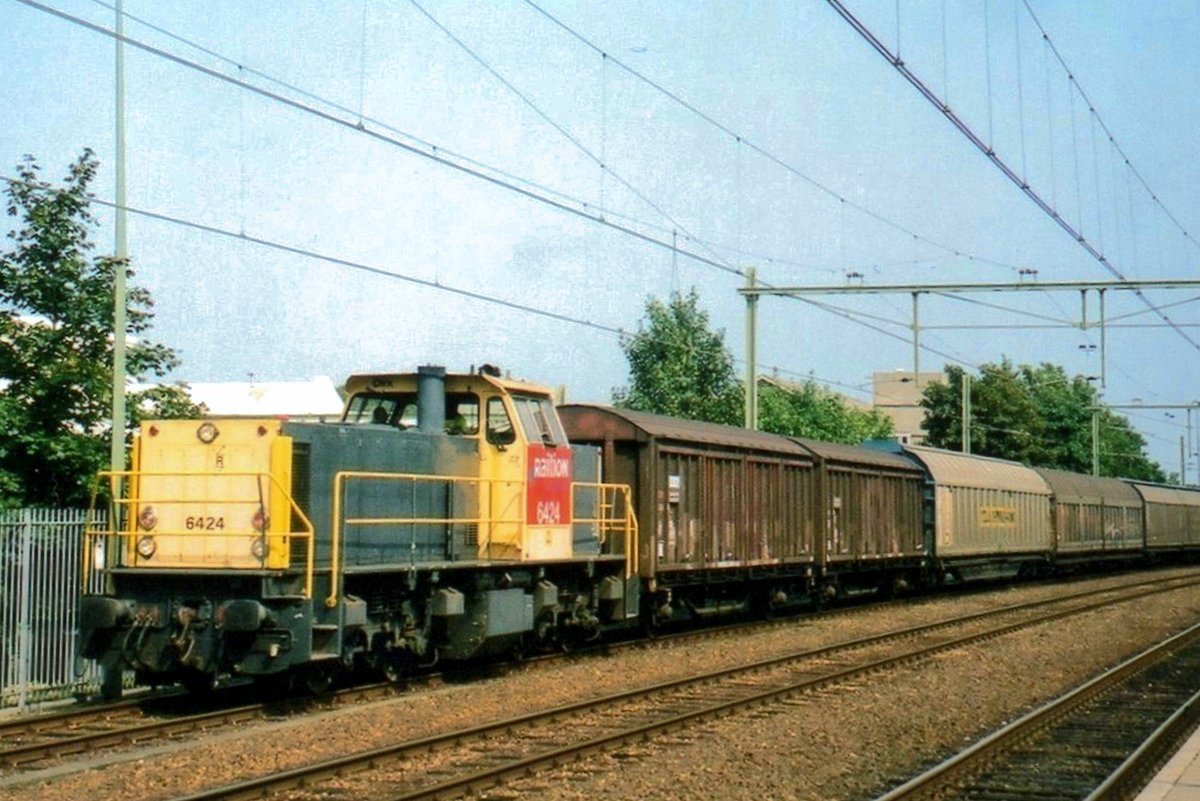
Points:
(614, 513)
(118, 540)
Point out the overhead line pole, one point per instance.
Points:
(751, 412)
(117, 451)
(752, 291)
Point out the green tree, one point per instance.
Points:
(678, 367)
(1038, 415)
(808, 410)
(56, 321)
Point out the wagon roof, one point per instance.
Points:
(1175, 496)
(593, 422)
(1076, 488)
(851, 454)
(980, 472)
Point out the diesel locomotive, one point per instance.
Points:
(462, 516)
(443, 517)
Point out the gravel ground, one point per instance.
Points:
(847, 742)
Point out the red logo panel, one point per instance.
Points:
(548, 494)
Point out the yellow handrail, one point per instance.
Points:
(339, 482)
(487, 521)
(606, 502)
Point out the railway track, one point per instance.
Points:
(28, 742)
(456, 763)
(1100, 742)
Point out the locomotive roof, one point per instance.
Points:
(359, 382)
(593, 422)
(1076, 488)
(978, 472)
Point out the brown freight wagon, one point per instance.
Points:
(1094, 516)
(1172, 516)
(728, 517)
(874, 533)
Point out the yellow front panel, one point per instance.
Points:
(211, 500)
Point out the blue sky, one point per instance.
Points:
(792, 79)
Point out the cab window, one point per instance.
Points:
(462, 413)
(539, 420)
(499, 426)
(396, 409)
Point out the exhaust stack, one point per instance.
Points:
(431, 399)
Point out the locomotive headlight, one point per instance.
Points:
(259, 549)
(147, 519)
(98, 555)
(146, 546)
(207, 432)
(260, 521)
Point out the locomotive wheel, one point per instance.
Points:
(397, 666)
(197, 682)
(316, 679)
(112, 683)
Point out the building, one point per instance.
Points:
(897, 394)
(296, 400)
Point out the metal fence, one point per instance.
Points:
(40, 559)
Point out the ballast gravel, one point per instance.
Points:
(850, 741)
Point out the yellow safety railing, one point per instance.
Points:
(123, 529)
(615, 518)
(484, 519)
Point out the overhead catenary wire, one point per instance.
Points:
(431, 154)
(355, 126)
(381, 272)
(593, 207)
(751, 145)
(1111, 138)
(596, 208)
(591, 216)
(566, 134)
(740, 140)
(984, 147)
(358, 266)
(440, 159)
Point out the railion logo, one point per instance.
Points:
(549, 486)
(551, 466)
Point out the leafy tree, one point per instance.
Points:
(56, 321)
(1037, 415)
(808, 410)
(679, 367)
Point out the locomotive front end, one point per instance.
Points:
(202, 562)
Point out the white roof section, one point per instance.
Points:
(953, 469)
(317, 397)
